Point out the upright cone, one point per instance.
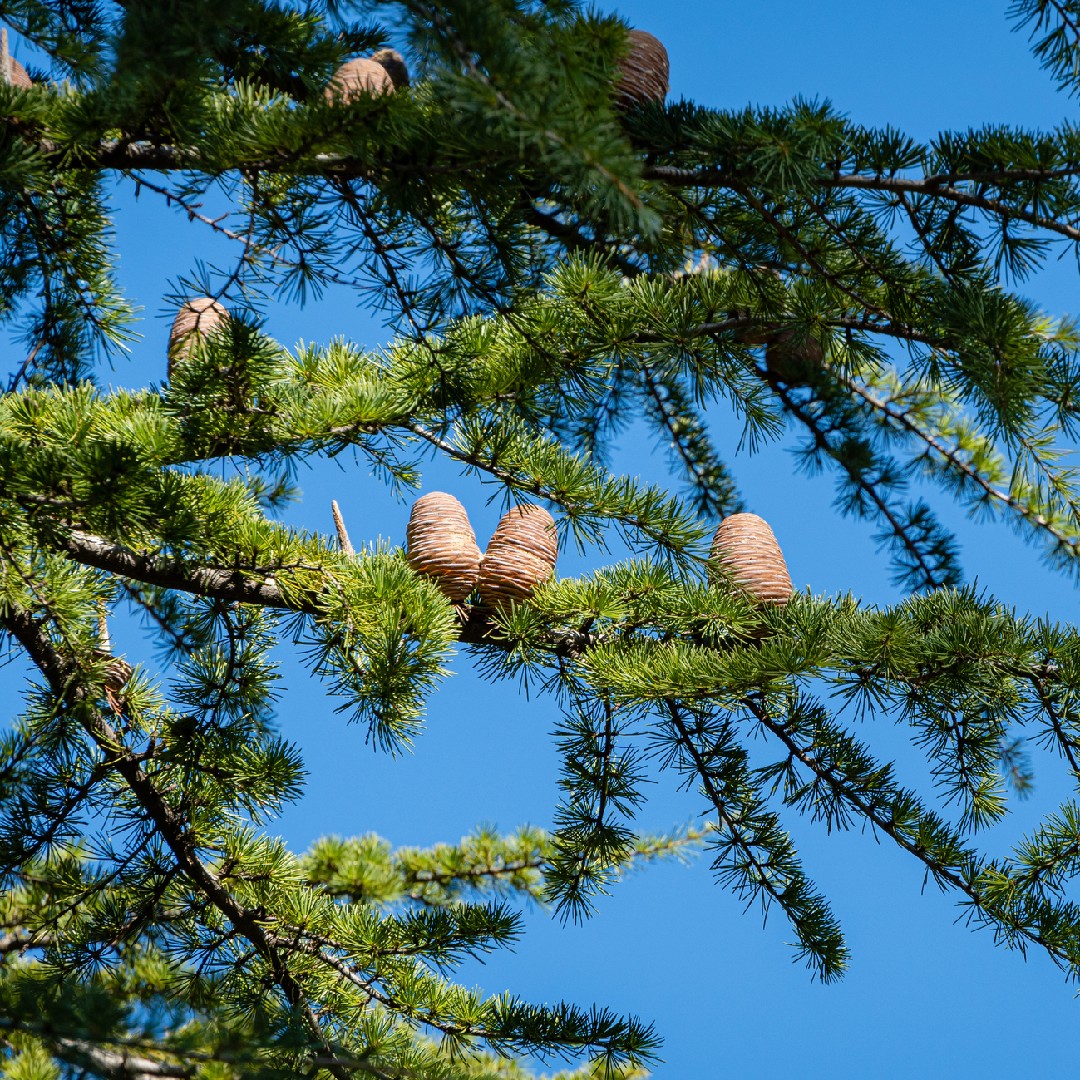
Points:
(745, 551)
(355, 78)
(195, 321)
(17, 75)
(11, 71)
(520, 556)
(440, 543)
(643, 72)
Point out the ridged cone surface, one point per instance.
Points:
(520, 556)
(643, 72)
(196, 319)
(745, 549)
(358, 77)
(440, 543)
(18, 76)
(117, 670)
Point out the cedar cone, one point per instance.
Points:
(355, 78)
(117, 673)
(117, 670)
(440, 543)
(643, 72)
(17, 75)
(745, 551)
(520, 556)
(394, 63)
(194, 322)
(792, 358)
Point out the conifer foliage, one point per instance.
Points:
(559, 260)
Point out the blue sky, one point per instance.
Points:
(924, 996)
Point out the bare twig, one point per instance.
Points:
(342, 533)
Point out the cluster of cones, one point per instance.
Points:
(441, 544)
(643, 73)
(642, 77)
(521, 555)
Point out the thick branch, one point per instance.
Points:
(172, 573)
(261, 588)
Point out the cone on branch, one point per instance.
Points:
(364, 76)
(746, 553)
(117, 670)
(196, 320)
(440, 543)
(520, 556)
(17, 75)
(11, 71)
(792, 357)
(643, 72)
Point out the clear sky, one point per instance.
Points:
(924, 997)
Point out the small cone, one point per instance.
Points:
(745, 551)
(355, 78)
(793, 359)
(117, 669)
(520, 556)
(440, 542)
(643, 72)
(117, 673)
(195, 321)
(394, 64)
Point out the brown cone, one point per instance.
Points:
(195, 321)
(745, 551)
(355, 78)
(117, 673)
(643, 72)
(440, 543)
(17, 75)
(520, 556)
(394, 64)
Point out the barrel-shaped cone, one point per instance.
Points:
(17, 75)
(643, 72)
(194, 322)
(520, 556)
(440, 543)
(745, 551)
(792, 358)
(358, 77)
(394, 64)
